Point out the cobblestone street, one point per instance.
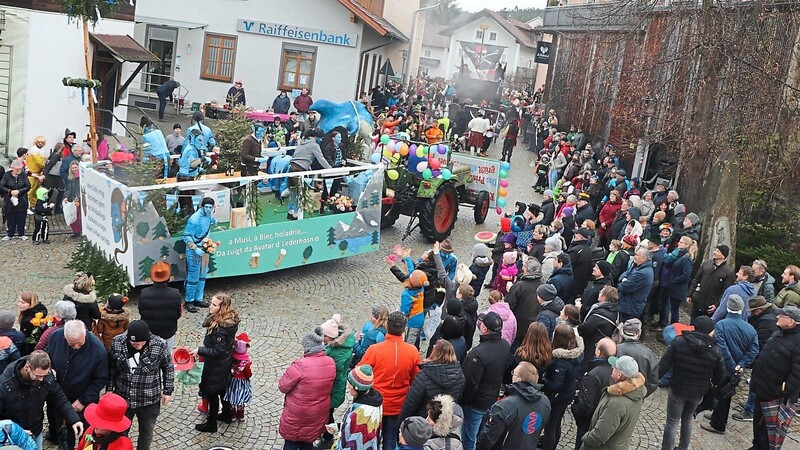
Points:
(278, 308)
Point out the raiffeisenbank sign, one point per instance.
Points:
(281, 30)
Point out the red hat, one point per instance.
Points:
(243, 337)
(631, 240)
(108, 413)
(182, 358)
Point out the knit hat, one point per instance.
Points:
(416, 431)
(451, 328)
(330, 327)
(546, 292)
(446, 246)
(584, 233)
(724, 249)
(509, 258)
(453, 307)
(553, 242)
(605, 267)
(631, 240)
(68, 132)
(480, 250)
(680, 208)
(510, 239)
(41, 193)
(625, 364)
(703, 324)
(138, 331)
(361, 378)
(735, 304)
(792, 312)
(418, 279)
(312, 341)
(115, 301)
(635, 213)
(692, 217)
(548, 193)
(632, 328)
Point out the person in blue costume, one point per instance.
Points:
(156, 145)
(191, 165)
(280, 164)
(197, 228)
(208, 135)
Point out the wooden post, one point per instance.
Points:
(90, 97)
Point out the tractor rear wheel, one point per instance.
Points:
(438, 215)
(481, 207)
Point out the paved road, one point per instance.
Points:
(278, 308)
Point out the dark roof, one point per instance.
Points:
(521, 31)
(433, 38)
(377, 23)
(123, 47)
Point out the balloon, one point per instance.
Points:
(375, 158)
(435, 163)
(446, 174)
(442, 149)
(393, 174)
(427, 174)
(434, 148)
(387, 152)
(396, 158)
(499, 210)
(391, 145)
(436, 172)
(413, 149)
(505, 166)
(424, 150)
(420, 152)
(501, 202)
(422, 166)
(502, 192)
(403, 149)
(504, 183)
(503, 174)
(385, 139)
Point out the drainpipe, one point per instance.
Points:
(361, 64)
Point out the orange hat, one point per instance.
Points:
(418, 279)
(160, 272)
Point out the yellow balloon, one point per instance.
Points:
(393, 175)
(403, 149)
(387, 153)
(502, 192)
(396, 158)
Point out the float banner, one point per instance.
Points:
(485, 174)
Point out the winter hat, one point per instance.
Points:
(418, 279)
(453, 307)
(548, 193)
(584, 233)
(724, 249)
(240, 349)
(791, 312)
(138, 331)
(680, 208)
(521, 207)
(691, 217)
(68, 132)
(41, 193)
(492, 321)
(625, 364)
(330, 328)
(115, 301)
(553, 242)
(547, 292)
(632, 328)
(480, 250)
(735, 304)
(312, 341)
(703, 324)
(605, 267)
(510, 239)
(416, 431)
(509, 258)
(451, 328)
(505, 225)
(446, 246)
(361, 378)
(631, 240)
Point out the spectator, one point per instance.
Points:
(64, 311)
(439, 374)
(14, 187)
(236, 95)
(695, 360)
(681, 261)
(601, 272)
(743, 287)
(714, 276)
(166, 89)
(175, 140)
(738, 341)
(114, 319)
(483, 371)
(763, 281)
(414, 433)
(282, 103)
(72, 347)
(108, 424)
(29, 307)
(562, 278)
(560, 380)
(72, 192)
(615, 419)
(497, 305)
(590, 387)
(15, 437)
(302, 103)
(361, 424)
(146, 387)
(776, 379)
(580, 256)
(600, 322)
(339, 341)
(81, 293)
(634, 286)
(521, 299)
(160, 305)
(790, 294)
(29, 383)
(7, 329)
(8, 353)
(516, 421)
(645, 359)
(395, 364)
(446, 418)
(551, 305)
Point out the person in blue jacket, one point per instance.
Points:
(743, 287)
(208, 135)
(192, 157)
(13, 435)
(197, 228)
(156, 145)
(681, 261)
(634, 286)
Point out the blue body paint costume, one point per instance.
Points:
(208, 137)
(197, 229)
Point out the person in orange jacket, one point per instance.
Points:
(433, 134)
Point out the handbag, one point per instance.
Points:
(56, 170)
(70, 213)
(728, 388)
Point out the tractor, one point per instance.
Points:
(432, 204)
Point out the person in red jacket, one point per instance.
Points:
(307, 384)
(606, 216)
(394, 365)
(108, 425)
(302, 103)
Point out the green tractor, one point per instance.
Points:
(431, 204)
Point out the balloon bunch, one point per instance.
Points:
(421, 158)
(503, 191)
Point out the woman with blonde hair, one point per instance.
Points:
(373, 331)
(440, 373)
(679, 262)
(81, 293)
(535, 349)
(221, 326)
(73, 194)
(28, 306)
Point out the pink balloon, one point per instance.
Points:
(504, 183)
(499, 210)
(434, 164)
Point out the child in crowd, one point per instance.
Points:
(469, 309)
(373, 332)
(414, 433)
(501, 308)
(506, 241)
(411, 304)
(449, 260)
(480, 266)
(114, 319)
(42, 210)
(507, 273)
(239, 392)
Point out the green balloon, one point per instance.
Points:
(503, 174)
(427, 174)
(385, 139)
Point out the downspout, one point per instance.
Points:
(361, 57)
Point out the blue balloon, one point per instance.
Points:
(505, 166)
(375, 158)
(501, 202)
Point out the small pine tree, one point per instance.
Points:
(343, 246)
(331, 237)
(375, 199)
(375, 237)
(142, 228)
(307, 253)
(144, 268)
(160, 231)
(180, 248)
(164, 252)
(212, 264)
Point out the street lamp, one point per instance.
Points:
(411, 39)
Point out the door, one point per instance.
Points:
(161, 41)
(108, 72)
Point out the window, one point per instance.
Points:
(426, 53)
(219, 57)
(492, 36)
(297, 67)
(478, 34)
